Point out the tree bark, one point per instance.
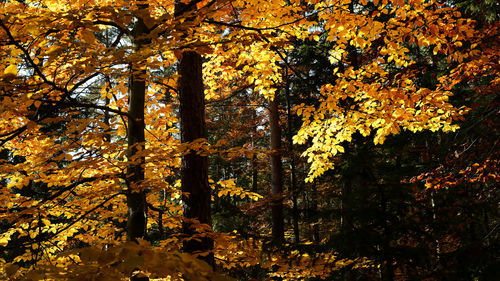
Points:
(346, 220)
(276, 173)
(196, 195)
(314, 210)
(254, 156)
(293, 184)
(136, 195)
(386, 253)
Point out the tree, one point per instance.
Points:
(194, 167)
(374, 92)
(136, 192)
(276, 171)
(93, 92)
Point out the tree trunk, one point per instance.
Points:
(254, 156)
(346, 219)
(387, 268)
(254, 173)
(314, 210)
(136, 195)
(196, 195)
(276, 173)
(293, 185)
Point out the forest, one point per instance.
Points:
(249, 140)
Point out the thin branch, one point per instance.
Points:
(151, 133)
(234, 25)
(259, 30)
(114, 24)
(237, 91)
(241, 105)
(150, 206)
(70, 224)
(276, 27)
(117, 39)
(79, 218)
(165, 85)
(189, 7)
(12, 135)
(30, 61)
(74, 104)
(83, 81)
(57, 193)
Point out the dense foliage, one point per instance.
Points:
(249, 139)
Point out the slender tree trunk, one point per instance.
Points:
(306, 213)
(254, 173)
(352, 182)
(314, 210)
(276, 173)
(346, 220)
(387, 259)
(293, 184)
(136, 195)
(254, 157)
(196, 195)
(107, 132)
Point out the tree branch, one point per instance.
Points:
(29, 59)
(75, 104)
(113, 24)
(13, 134)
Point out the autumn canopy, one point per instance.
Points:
(248, 139)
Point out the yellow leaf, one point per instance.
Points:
(53, 50)
(11, 70)
(87, 36)
(4, 241)
(340, 148)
